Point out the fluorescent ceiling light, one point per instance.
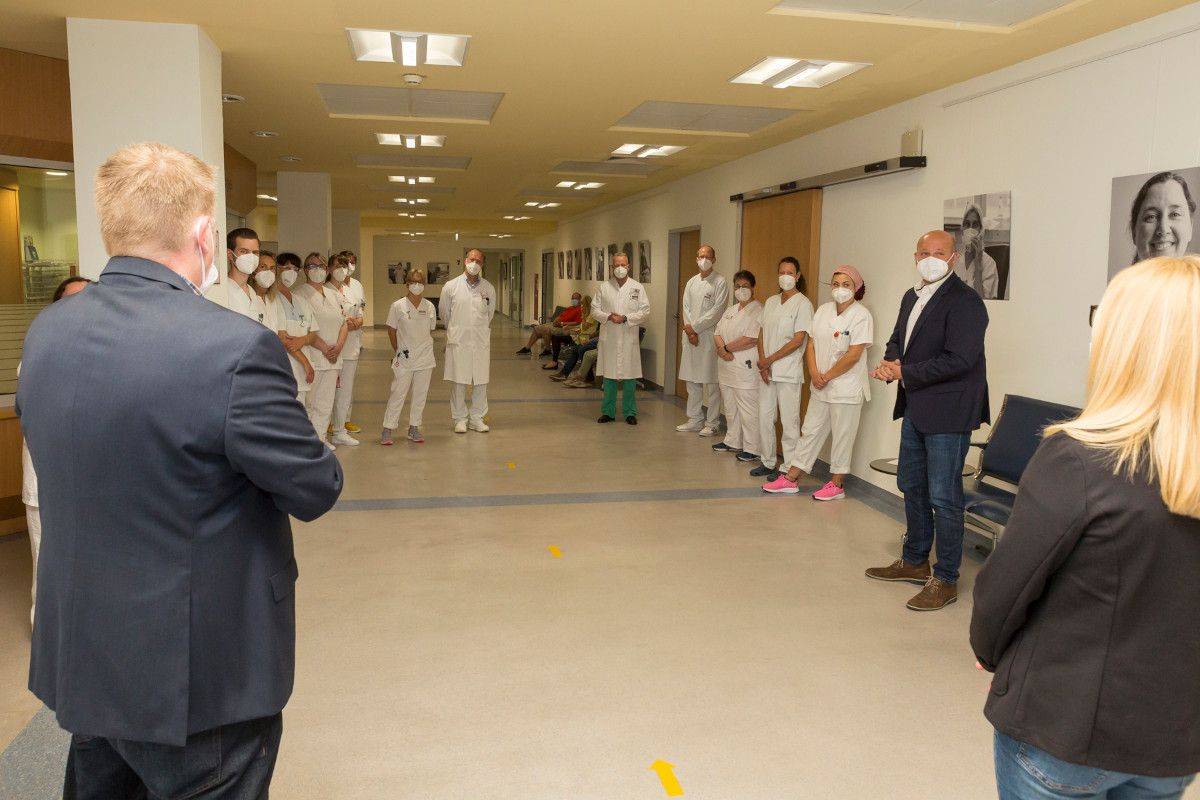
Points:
(410, 48)
(578, 185)
(532, 205)
(590, 185)
(411, 140)
(781, 73)
(264, 134)
(646, 151)
(63, 174)
(268, 197)
(564, 184)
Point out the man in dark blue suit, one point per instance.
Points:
(170, 450)
(936, 352)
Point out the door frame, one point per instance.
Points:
(671, 339)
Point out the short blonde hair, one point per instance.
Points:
(1143, 382)
(148, 196)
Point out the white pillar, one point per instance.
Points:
(140, 82)
(305, 213)
(347, 235)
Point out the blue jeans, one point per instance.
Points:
(1024, 772)
(576, 353)
(930, 476)
(232, 762)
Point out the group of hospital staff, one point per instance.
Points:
(752, 355)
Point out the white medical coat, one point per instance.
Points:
(467, 312)
(619, 354)
(704, 301)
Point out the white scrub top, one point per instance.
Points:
(780, 323)
(354, 300)
(742, 372)
(467, 311)
(832, 336)
(295, 319)
(329, 314)
(413, 326)
(704, 300)
(251, 305)
(619, 353)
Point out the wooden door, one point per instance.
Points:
(11, 285)
(786, 225)
(689, 243)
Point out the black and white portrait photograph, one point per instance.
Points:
(981, 225)
(398, 272)
(627, 249)
(643, 261)
(570, 265)
(599, 262)
(1152, 215)
(612, 251)
(437, 272)
(562, 270)
(587, 260)
(579, 264)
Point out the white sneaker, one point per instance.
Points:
(344, 438)
(460, 426)
(480, 426)
(688, 427)
(331, 447)
(708, 430)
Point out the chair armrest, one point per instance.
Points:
(980, 445)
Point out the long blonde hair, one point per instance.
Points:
(1144, 378)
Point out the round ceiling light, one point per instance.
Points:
(264, 134)
(232, 98)
(292, 158)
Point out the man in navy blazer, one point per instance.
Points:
(936, 352)
(170, 450)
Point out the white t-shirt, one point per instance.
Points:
(328, 311)
(833, 335)
(413, 326)
(780, 323)
(742, 372)
(295, 318)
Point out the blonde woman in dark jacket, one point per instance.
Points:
(1088, 611)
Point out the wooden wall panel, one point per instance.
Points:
(35, 107)
(241, 182)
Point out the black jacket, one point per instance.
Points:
(945, 372)
(1088, 611)
(170, 450)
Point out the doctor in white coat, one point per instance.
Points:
(620, 306)
(704, 300)
(467, 305)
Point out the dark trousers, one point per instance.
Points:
(232, 762)
(556, 343)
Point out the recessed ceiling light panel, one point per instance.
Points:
(782, 73)
(409, 48)
(410, 140)
(646, 151)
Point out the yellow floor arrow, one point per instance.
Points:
(667, 777)
(554, 551)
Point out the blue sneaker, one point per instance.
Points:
(746, 457)
(721, 447)
(761, 471)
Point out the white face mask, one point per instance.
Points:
(842, 295)
(288, 277)
(339, 274)
(353, 266)
(416, 288)
(208, 272)
(264, 279)
(246, 263)
(620, 272)
(742, 294)
(704, 264)
(787, 282)
(932, 269)
(473, 268)
(316, 275)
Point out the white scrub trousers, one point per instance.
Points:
(458, 402)
(741, 415)
(844, 419)
(695, 404)
(33, 519)
(782, 400)
(402, 381)
(343, 396)
(320, 400)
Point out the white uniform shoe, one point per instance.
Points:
(330, 446)
(480, 426)
(689, 427)
(460, 426)
(708, 430)
(344, 438)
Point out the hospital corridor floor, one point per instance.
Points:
(558, 609)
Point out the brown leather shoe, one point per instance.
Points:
(936, 594)
(901, 570)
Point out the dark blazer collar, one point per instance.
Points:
(938, 295)
(144, 268)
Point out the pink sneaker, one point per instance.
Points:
(781, 485)
(830, 491)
